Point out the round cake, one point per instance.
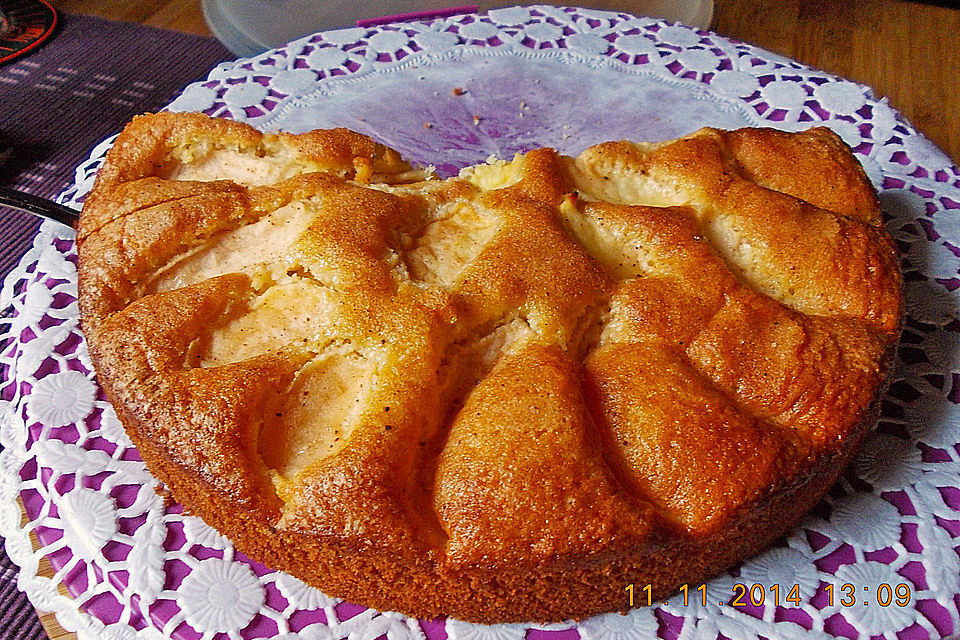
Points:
(503, 396)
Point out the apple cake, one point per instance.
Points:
(501, 396)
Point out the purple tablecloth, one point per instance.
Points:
(55, 105)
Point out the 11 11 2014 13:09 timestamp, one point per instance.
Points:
(757, 595)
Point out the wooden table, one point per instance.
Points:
(907, 51)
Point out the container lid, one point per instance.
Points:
(251, 27)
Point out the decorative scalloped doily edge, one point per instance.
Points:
(42, 591)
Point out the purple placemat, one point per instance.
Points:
(58, 102)
(17, 617)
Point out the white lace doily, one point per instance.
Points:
(448, 93)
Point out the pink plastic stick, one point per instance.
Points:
(418, 15)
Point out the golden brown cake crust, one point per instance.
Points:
(499, 397)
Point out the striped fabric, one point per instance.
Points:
(17, 617)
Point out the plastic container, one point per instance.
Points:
(248, 27)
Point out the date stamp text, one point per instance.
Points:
(758, 595)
